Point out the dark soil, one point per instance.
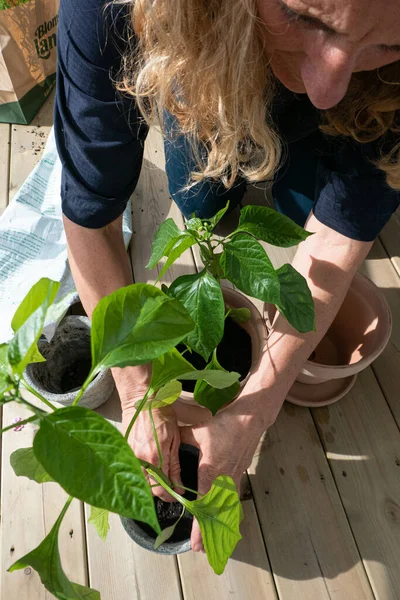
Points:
(75, 374)
(68, 358)
(233, 353)
(169, 512)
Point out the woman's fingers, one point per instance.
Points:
(195, 539)
(188, 437)
(175, 466)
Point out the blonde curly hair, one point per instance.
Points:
(204, 62)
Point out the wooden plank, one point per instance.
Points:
(151, 205)
(27, 145)
(118, 567)
(387, 367)
(390, 237)
(5, 136)
(28, 512)
(309, 542)
(363, 448)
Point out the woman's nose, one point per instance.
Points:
(326, 75)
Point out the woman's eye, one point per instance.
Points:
(292, 16)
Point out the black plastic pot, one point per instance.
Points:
(144, 535)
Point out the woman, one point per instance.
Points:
(237, 82)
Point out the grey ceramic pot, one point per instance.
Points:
(68, 351)
(146, 541)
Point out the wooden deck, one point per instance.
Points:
(323, 501)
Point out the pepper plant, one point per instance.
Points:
(241, 259)
(80, 450)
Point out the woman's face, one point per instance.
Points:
(314, 46)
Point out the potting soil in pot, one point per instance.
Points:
(68, 359)
(233, 353)
(169, 512)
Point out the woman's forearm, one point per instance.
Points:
(100, 265)
(329, 262)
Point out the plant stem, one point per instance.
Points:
(138, 410)
(64, 510)
(160, 458)
(39, 396)
(35, 409)
(83, 388)
(19, 423)
(184, 487)
(166, 483)
(161, 480)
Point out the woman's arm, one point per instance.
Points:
(329, 261)
(100, 265)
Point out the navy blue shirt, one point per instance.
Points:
(100, 135)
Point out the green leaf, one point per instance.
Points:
(167, 532)
(167, 367)
(246, 264)
(180, 244)
(28, 323)
(93, 462)
(163, 240)
(296, 302)
(270, 226)
(4, 369)
(218, 216)
(167, 394)
(218, 379)
(25, 464)
(239, 315)
(219, 514)
(85, 593)
(210, 397)
(201, 295)
(164, 288)
(136, 324)
(37, 295)
(164, 397)
(45, 559)
(194, 224)
(99, 518)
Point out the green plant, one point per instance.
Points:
(240, 258)
(78, 449)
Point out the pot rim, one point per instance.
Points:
(258, 324)
(67, 395)
(338, 371)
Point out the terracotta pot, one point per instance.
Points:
(186, 408)
(357, 336)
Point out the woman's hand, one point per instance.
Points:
(132, 384)
(141, 440)
(227, 444)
